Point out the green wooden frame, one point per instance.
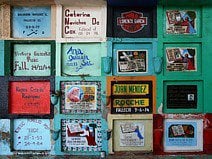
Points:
(8, 63)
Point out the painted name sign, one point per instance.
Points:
(31, 134)
(31, 22)
(77, 59)
(132, 21)
(82, 22)
(133, 97)
(29, 97)
(32, 60)
(183, 135)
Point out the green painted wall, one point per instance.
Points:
(202, 40)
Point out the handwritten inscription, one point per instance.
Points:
(31, 134)
(84, 22)
(77, 59)
(28, 60)
(30, 97)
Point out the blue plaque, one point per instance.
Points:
(31, 22)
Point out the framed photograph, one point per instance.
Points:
(81, 97)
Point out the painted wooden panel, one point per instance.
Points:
(182, 21)
(81, 59)
(81, 135)
(31, 134)
(182, 97)
(182, 59)
(32, 60)
(130, 133)
(131, 95)
(131, 22)
(183, 135)
(133, 58)
(83, 22)
(31, 22)
(29, 97)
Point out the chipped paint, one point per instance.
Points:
(5, 137)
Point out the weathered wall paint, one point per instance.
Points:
(5, 23)
(5, 136)
(2, 57)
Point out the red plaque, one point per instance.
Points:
(29, 97)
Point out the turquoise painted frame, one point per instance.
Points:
(149, 44)
(200, 97)
(8, 48)
(101, 116)
(2, 58)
